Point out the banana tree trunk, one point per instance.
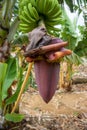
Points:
(65, 77)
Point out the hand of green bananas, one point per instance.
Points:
(33, 12)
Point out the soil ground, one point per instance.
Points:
(62, 103)
(66, 111)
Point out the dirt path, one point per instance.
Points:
(62, 103)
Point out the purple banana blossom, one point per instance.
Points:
(47, 74)
(47, 68)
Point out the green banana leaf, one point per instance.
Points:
(6, 12)
(14, 117)
(10, 77)
(69, 32)
(81, 49)
(70, 4)
(13, 98)
(73, 59)
(3, 68)
(13, 29)
(7, 9)
(70, 23)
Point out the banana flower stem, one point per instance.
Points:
(23, 86)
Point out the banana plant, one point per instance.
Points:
(8, 27)
(27, 17)
(31, 15)
(71, 32)
(39, 19)
(9, 22)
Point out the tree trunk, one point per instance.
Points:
(65, 80)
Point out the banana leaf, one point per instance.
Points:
(81, 49)
(9, 78)
(3, 68)
(14, 117)
(70, 4)
(13, 29)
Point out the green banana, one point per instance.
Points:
(45, 1)
(24, 19)
(40, 5)
(56, 12)
(46, 6)
(53, 10)
(35, 14)
(32, 11)
(23, 3)
(33, 2)
(54, 21)
(27, 28)
(51, 7)
(37, 3)
(26, 13)
(24, 25)
(50, 28)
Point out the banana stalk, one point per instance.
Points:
(22, 87)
